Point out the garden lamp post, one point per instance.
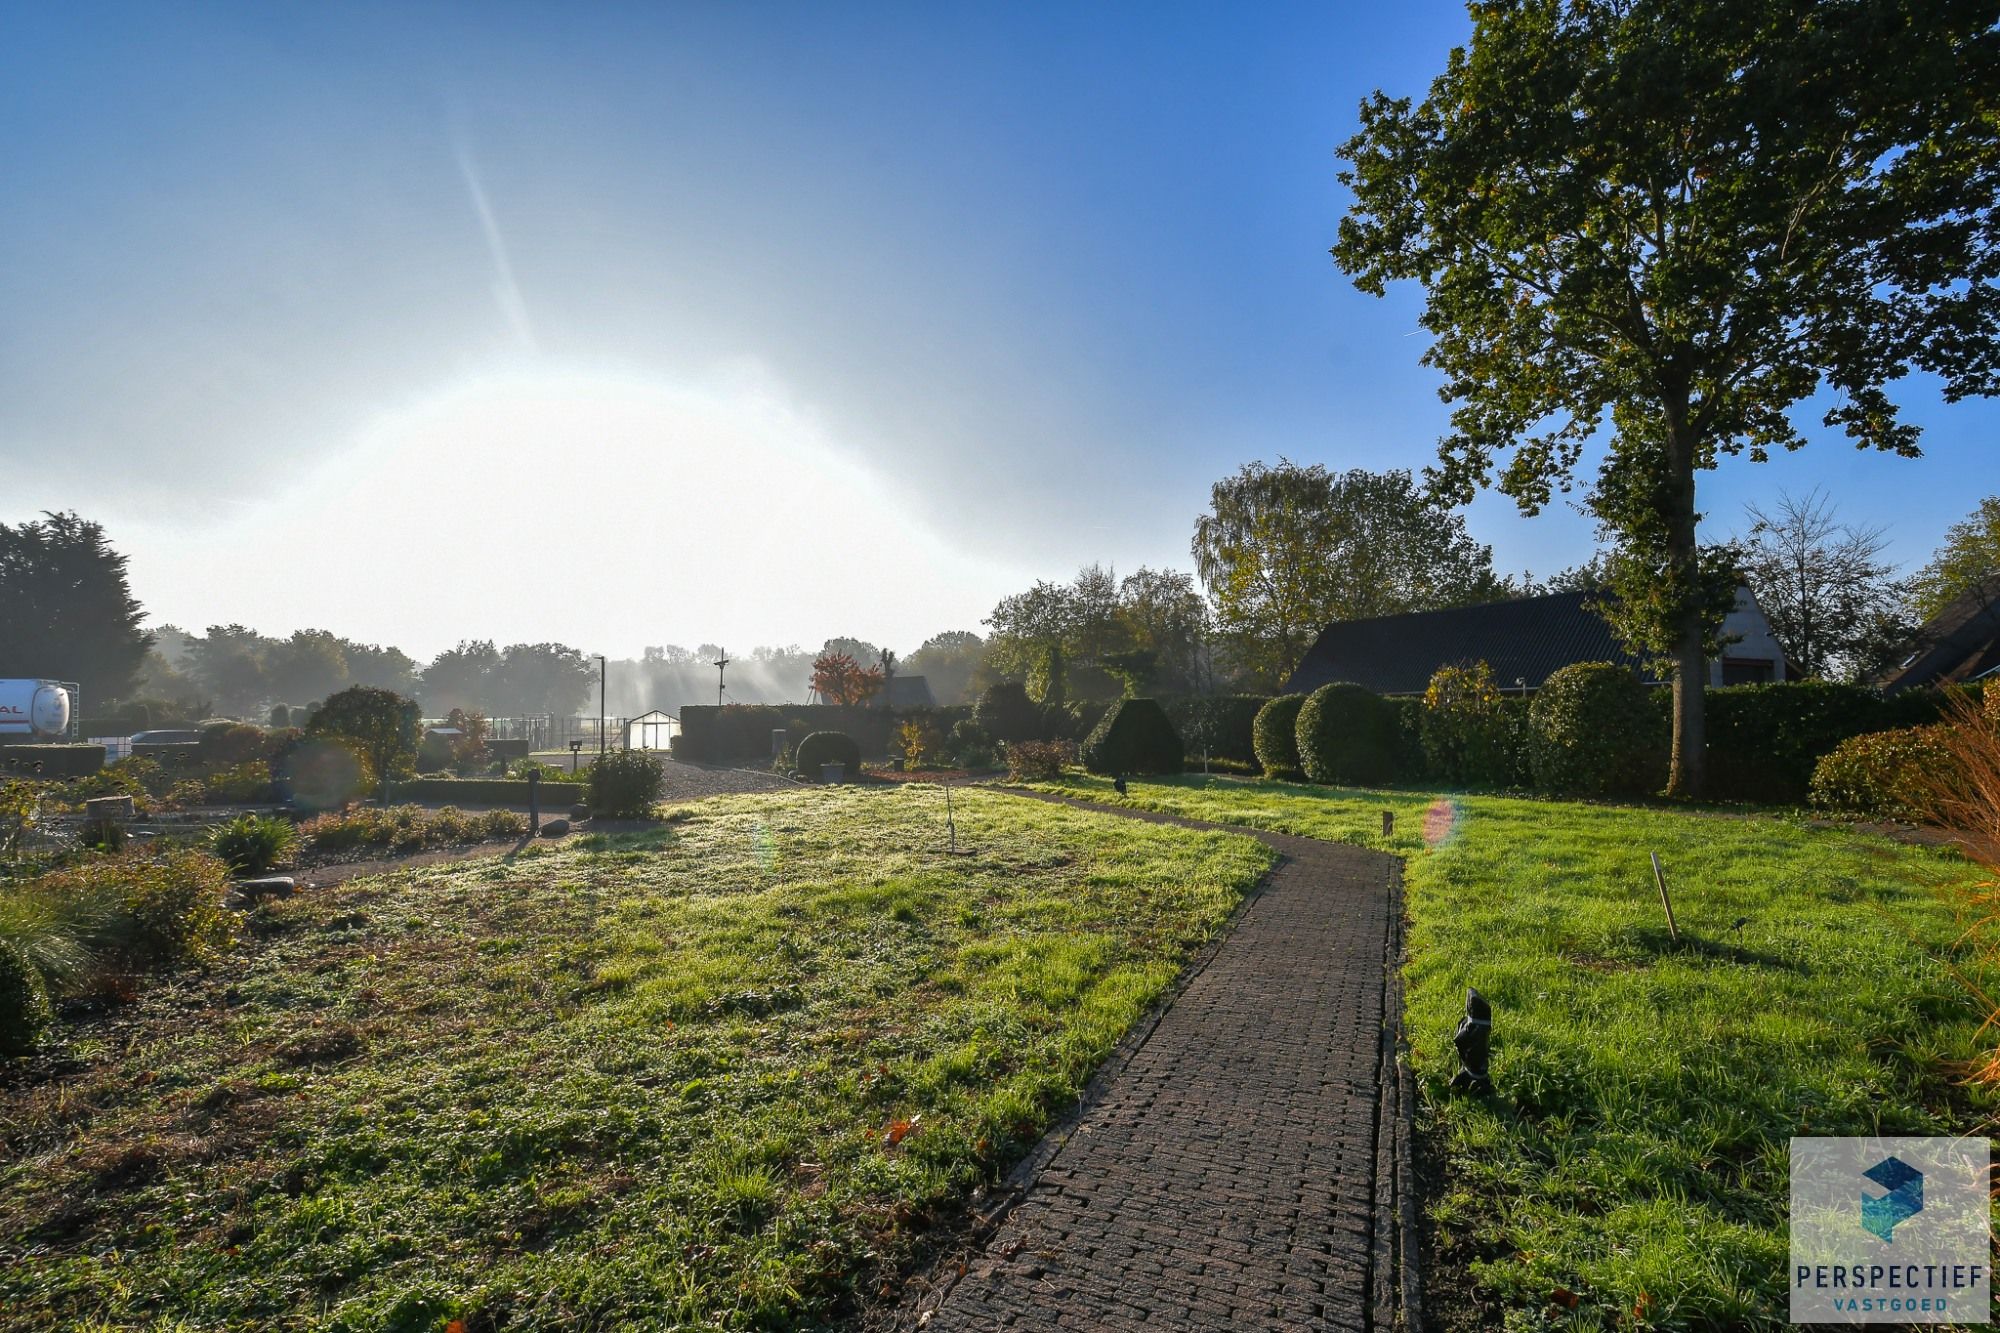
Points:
(600, 705)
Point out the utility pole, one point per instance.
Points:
(600, 705)
(720, 664)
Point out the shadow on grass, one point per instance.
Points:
(1655, 944)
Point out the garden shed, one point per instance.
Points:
(651, 731)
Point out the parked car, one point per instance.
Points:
(166, 736)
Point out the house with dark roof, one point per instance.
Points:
(1959, 643)
(907, 692)
(1525, 641)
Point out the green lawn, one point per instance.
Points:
(1636, 1159)
(733, 1073)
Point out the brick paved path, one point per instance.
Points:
(1225, 1176)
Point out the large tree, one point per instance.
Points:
(1285, 550)
(548, 678)
(1034, 633)
(1968, 561)
(461, 677)
(947, 662)
(66, 609)
(1689, 216)
(1164, 614)
(1829, 595)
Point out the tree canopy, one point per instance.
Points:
(1287, 550)
(1684, 218)
(381, 726)
(839, 679)
(66, 609)
(1830, 597)
(1968, 560)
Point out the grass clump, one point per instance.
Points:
(1636, 1153)
(733, 1072)
(251, 844)
(86, 928)
(24, 1002)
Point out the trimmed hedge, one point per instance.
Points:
(1347, 735)
(828, 747)
(478, 791)
(1135, 736)
(1884, 773)
(1222, 725)
(1275, 737)
(51, 761)
(1593, 731)
(1006, 713)
(169, 754)
(741, 733)
(1764, 740)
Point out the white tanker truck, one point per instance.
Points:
(34, 710)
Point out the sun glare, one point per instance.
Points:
(552, 503)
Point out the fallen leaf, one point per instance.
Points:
(1564, 1297)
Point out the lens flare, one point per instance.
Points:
(1440, 822)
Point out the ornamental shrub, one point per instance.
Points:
(1275, 739)
(252, 844)
(626, 784)
(1593, 731)
(1889, 774)
(229, 744)
(1463, 727)
(1134, 736)
(1038, 761)
(1346, 735)
(1006, 713)
(969, 746)
(828, 747)
(24, 1002)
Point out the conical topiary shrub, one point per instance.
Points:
(1134, 737)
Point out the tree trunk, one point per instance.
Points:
(1690, 753)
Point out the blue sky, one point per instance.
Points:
(771, 322)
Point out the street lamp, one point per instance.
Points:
(600, 705)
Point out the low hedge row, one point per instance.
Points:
(1221, 726)
(1592, 729)
(51, 761)
(481, 791)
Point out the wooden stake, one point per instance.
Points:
(1660, 877)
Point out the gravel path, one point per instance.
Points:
(1239, 1169)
